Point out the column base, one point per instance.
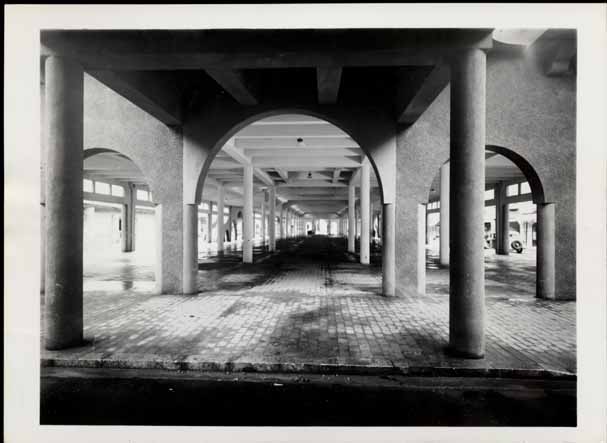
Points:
(459, 353)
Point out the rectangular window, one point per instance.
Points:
(204, 206)
(102, 188)
(489, 194)
(525, 188)
(142, 195)
(512, 190)
(117, 190)
(87, 185)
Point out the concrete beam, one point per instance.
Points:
(432, 86)
(283, 174)
(241, 158)
(303, 164)
(235, 84)
(144, 91)
(328, 80)
(238, 49)
(336, 174)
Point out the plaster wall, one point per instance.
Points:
(112, 122)
(528, 113)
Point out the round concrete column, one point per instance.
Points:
(128, 219)
(210, 224)
(190, 249)
(545, 252)
(467, 191)
(272, 221)
(444, 215)
(365, 202)
(421, 248)
(247, 216)
(504, 230)
(221, 231)
(351, 218)
(64, 122)
(263, 217)
(388, 251)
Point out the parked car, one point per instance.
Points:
(515, 241)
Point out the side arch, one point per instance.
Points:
(91, 152)
(535, 183)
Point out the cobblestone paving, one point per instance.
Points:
(312, 304)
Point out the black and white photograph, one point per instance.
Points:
(292, 222)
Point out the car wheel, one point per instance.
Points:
(517, 246)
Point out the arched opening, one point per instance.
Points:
(298, 170)
(119, 224)
(515, 255)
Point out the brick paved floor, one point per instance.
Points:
(312, 304)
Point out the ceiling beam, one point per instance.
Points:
(303, 152)
(355, 178)
(272, 48)
(328, 80)
(302, 164)
(315, 143)
(241, 158)
(311, 184)
(431, 87)
(294, 131)
(235, 84)
(283, 174)
(336, 174)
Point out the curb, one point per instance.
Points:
(308, 368)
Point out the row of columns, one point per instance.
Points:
(64, 129)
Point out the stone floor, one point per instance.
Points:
(312, 306)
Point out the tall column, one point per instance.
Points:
(365, 202)
(247, 216)
(210, 223)
(281, 226)
(263, 216)
(221, 231)
(351, 217)
(502, 220)
(272, 218)
(545, 252)
(128, 219)
(444, 215)
(388, 251)
(64, 122)
(421, 248)
(190, 249)
(467, 202)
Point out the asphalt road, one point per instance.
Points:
(169, 398)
